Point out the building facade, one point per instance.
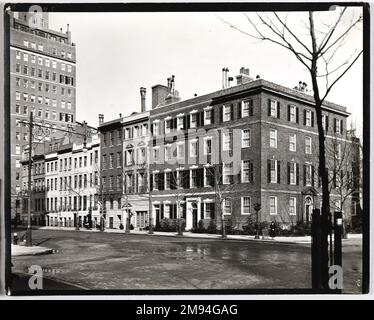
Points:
(217, 155)
(42, 81)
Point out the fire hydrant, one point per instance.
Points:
(15, 238)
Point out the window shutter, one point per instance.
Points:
(212, 119)
(304, 174)
(278, 171)
(327, 123)
(304, 117)
(288, 173)
(269, 107)
(162, 211)
(221, 115)
(151, 182)
(202, 118)
(334, 179)
(251, 108)
(269, 170)
(312, 115)
(175, 123)
(341, 126)
(188, 122)
(312, 176)
(239, 106)
(251, 172)
(198, 120)
(297, 174)
(297, 114)
(334, 125)
(288, 113)
(278, 109)
(231, 112)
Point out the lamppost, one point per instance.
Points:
(257, 208)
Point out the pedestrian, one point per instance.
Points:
(272, 229)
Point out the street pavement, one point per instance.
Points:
(118, 261)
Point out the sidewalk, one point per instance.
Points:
(18, 250)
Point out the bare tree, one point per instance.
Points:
(320, 52)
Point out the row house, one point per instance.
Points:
(124, 171)
(72, 184)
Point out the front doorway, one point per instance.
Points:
(193, 213)
(110, 222)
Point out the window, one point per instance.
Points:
(18, 55)
(227, 173)
(193, 121)
(292, 206)
(111, 161)
(273, 204)
(273, 138)
(293, 113)
(25, 110)
(227, 206)
(167, 151)
(62, 66)
(325, 122)
(156, 154)
(156, 128)
(54, 103)
(193, 178)
(40, 47)
(292, 142)
(338, 124)
(273, 108)
(273, 171)
(246, 205)
(180, 150)
(33, 58)
(168, 125)
(193, 148)
(308, 118)
(25, 43)
(227, 113)
(338, 151)
(247, 171)
(227, 141)
(47, 62)
(246, 138)
(308, 175)
(25, 57)
(247, 108)
(25, 70)
(308, 145)
(208, 146)
(167, 180)
(292, 173)
(180, 122)
(63, 104)
(18, 96)
(69, 68)
(208, 116)
(54, 64)
(129, 157)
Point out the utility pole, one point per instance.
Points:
(28, 231)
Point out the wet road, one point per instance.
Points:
(118, 261)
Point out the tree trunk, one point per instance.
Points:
(325, 217)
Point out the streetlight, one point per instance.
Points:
(257, 208)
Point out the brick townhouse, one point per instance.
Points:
(124, 170)
(255, 142)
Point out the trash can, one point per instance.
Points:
(15, 238)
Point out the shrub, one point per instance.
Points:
(301, 229)
(169, 225)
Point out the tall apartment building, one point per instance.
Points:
(42, 81)
(255, 142)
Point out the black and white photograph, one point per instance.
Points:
(175, 149)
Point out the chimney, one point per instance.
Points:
(120, 115)
(101, 118)
(223, 78)
(142, 99)
(243, 76)
(159, 94)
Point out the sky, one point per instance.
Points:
(117, 53)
